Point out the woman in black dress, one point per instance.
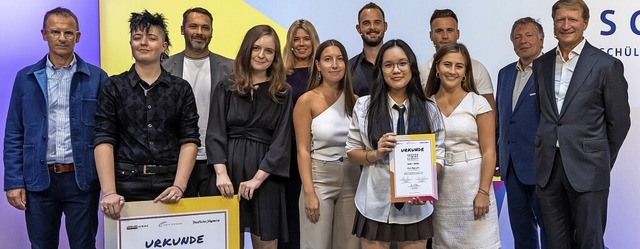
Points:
(302, 42)
(249, 136)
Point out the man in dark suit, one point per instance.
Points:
(203, 70)
(518, 118)
(584, 118)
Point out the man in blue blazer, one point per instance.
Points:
(49, 168)
(584, 119)
(518, 118)
(203, 70)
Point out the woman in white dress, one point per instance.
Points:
(321, 119)
(465, 215)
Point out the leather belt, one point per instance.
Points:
(61, 167)
(450, 158)
(147, 169)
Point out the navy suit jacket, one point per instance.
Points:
(516, 129)
(592, 124)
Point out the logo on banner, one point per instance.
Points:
(633, 26)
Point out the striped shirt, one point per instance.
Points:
(58, 90)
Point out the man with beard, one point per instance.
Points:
(371, 27)
(203, 70)
(444, 30)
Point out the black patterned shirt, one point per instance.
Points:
(146, 124)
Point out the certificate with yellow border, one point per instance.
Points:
(413, 171)
(204, 222)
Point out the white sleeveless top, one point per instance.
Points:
(329, 132)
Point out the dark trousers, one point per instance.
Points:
(45, 209)
(572, 219)
(292, 194)
(524, 212)
(200, 183)
(135, 186)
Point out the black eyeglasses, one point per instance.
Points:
(54, 33)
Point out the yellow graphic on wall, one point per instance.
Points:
(231, 20)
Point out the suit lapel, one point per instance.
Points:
(528, 87)
(548, 73)
(508, 90)
(583, 69)
(178, 64)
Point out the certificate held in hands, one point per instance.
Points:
(413, 171)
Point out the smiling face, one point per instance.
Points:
(331, 65)
(569, 27)
(197, 32)
(526, 42)
(452, 70)
(147, 47)
(371, 27)
(62, 45)
(396, 69)
(262, 54)
(302, 44)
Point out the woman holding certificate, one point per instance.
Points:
(397, 105)
(465, 214)
(321, 119)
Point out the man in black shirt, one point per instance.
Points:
(146, 125)
(371, 27)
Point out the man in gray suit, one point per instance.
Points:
(203, 70)
(584, 118)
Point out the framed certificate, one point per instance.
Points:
(204, 222)
(413, 170)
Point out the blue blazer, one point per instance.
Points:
(517, 128)
(26, 131)
(592, 123)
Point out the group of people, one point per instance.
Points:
(302, 135)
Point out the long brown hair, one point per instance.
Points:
(345, 83)
(433, 82)
(242, 71)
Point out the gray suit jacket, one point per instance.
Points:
(220, 67)
(592, 124)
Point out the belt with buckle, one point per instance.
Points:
(147, 169)
(464, 156)
(61, 167)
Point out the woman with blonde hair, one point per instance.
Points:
(302, 41)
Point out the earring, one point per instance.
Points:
(319, 76)
(437, 75)
(291, 49)
(464, 78)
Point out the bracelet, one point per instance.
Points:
(482, 191)
(105, 195)
(366, 156)
(179, 188)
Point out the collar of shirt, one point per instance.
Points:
(391, 102)
(134, 78)
(361, 59)
(574, 52)
(528, 67)
(72, 66)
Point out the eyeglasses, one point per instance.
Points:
(388, 67)
(54, 33)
